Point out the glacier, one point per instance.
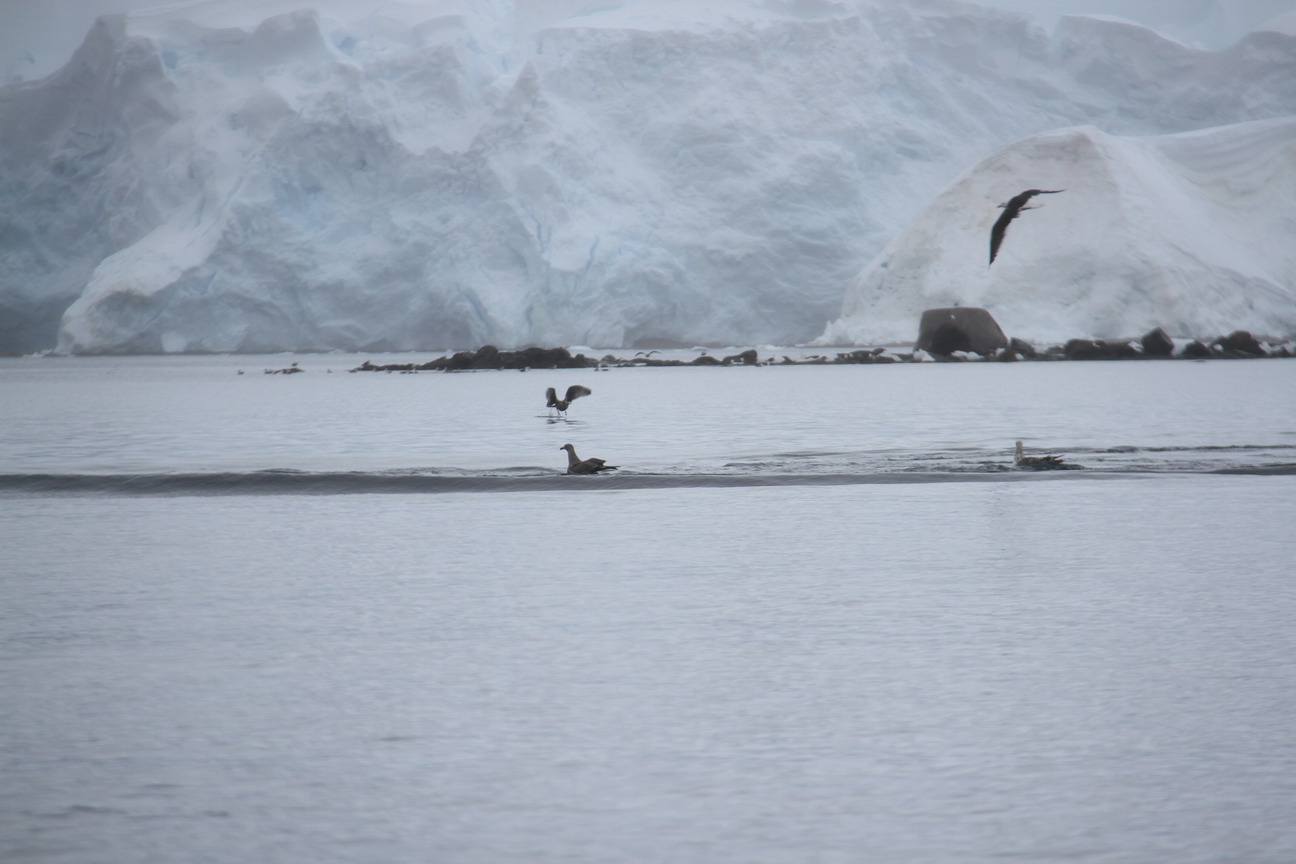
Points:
(233, 176)
(1190, 232)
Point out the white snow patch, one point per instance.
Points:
(1189, 232)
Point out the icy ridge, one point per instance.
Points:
(447, 175)
(1189, 232)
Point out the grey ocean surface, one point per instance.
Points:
(814, 617)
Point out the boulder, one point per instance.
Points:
(1196, 350)
(1022, 348)
(1097, 349)
(1242, 342)
(941, 332)
(1157, 343)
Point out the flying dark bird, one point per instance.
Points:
(577, 465)
(1021, 460)
(1011, 209)
(574, 392)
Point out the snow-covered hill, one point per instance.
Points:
(1191, 232)
(38, 36)
(446, 175)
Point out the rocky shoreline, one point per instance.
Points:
(1154, 345)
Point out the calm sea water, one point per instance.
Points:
(814, 618)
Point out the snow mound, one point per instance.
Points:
(239, 175)
(1284, 24)
(1190, 232)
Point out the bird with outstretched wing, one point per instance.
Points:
(574, 392)
(1012, 209)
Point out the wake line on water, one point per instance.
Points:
(363, 483)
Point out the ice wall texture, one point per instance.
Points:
(1190, 232)
(510, 175)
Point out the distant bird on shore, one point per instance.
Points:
(1040, 463)
(1012, 208)
(577, 465)
(574, 392)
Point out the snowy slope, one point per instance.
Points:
(1191, 232)
(211, 177)
(1209, 23)
(38, 36)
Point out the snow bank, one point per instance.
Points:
(1190, 232)
(213, 177)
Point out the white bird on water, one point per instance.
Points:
(1021, 460)
(577, 465)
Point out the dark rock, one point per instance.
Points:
(746, 358)
(960, 328)
(1097, 349)
(543, 358)
(460, 360)
(368, 366)
(864, 355)
(1157, 343)
(490, 357)
(1022, 348)
(1196, 350)
(705, 360)
(1242, 342)
(1082, 349)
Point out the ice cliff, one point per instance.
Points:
(233, 176)
(1191, 232)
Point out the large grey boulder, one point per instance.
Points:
(1243, 343)
(1157, 343)
(959, 328)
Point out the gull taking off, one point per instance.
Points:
(1014, 206)
(577, 465)
(1040, 463)
(574, 392)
